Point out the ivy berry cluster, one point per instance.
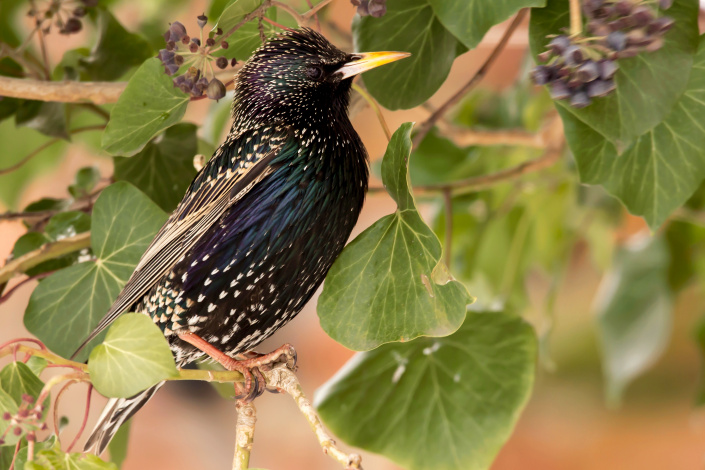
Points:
(197, 55)
(374, 8)
(64, 15)
(579, 68)
(27, 419)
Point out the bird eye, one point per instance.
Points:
(315, 73)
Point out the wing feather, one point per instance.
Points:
(204, 204)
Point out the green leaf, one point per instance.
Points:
(67, 224)
(669, 158)
(86, 179)
(16, 379)
(133, 357)
(46, 117)
(389, 284)
(234, 13)
(438, 160)
(648, 85)
(55, 459)
(436, 403)
(149, 104)
(36, 364)
(7, 404)
(66, 306)
(118, 444)
(469, 20)
(164, 169)
(408, 26)
(634, 306)
(116, 51)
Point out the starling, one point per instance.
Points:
(262, 222)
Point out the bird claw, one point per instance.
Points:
(254, 385)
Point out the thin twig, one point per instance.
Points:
(37, 277)
(300, 20)
(479, 75)
(44, 253)
(315, 9)
(46, 145)
(448, 205)
(251, 16)
(466, 137)
(62, 92)
(315, 15)
(244, 434)
(282, 378)
(42, 44)
(378, 111)
(57, 400)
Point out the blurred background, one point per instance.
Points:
(566, 425)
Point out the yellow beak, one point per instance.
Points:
(368, 61)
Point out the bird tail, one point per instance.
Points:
(115, 414)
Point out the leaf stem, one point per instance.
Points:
(448, 205)
(244, 434)
(576, 20)
(375, 106)
(428, 124)
(315, 9)
(300, 20)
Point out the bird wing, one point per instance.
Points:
(237, 166)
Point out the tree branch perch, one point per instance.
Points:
(62, 92)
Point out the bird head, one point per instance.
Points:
(299, 75)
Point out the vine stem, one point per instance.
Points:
(448, 206)
(244, 434)
(576, 20)
(378, 111)
(284, 379)
(428, 124)
(44, 253)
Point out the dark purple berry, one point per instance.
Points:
(221, 62)
(617, 41)
(642, 16)
(215, 90)
(573, 55)
(175, 32)
(170, 46)
(607, 69)
(166, 56)
(660, 25)
(210, 42)
(600, 88)
(233, 62)
(6, 416)
(193, 47)
(579, 99)
(201, 20)
(196, 41)
(201, 84)
(541, 75)
(73, 25)
(17, 431)
(224, 44)
(377, 8)
(559, 44)
(623, 7)
(559, 91)
(178, 59)
(185, 39)
(587, 72)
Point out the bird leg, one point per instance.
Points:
(249, 368)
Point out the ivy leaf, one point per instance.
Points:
(470, 20)
(648, 85)
(46, 117)
(66, 306)
(164, 169)
(389, 284)
(133, 357)
(441, 403)
(117, 447)
(634, 306)
(149, 104)
(85, 181)
(234, 12)
(54, 458)
(7, 404)
(416, 29)
(116, 51)
(426, 168)
(67, 224)
(16, 379)
(669, 159)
